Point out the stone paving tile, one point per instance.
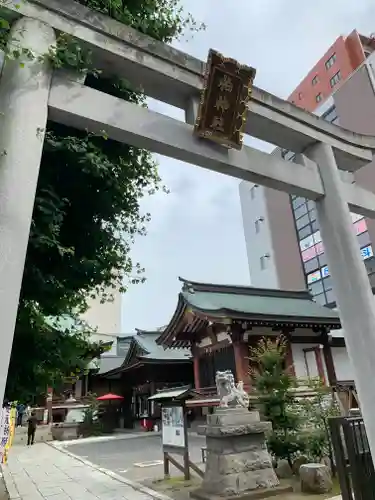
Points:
(59, 496)
(36, 496)
(42, 472)
(47, 491)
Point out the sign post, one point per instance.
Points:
(175, 438)
(174, 430)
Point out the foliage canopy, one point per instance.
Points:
(86, 214)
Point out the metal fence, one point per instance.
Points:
(353, 459)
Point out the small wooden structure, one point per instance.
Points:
(346, 396)
(174, 430)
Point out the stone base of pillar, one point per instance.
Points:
(238, 463)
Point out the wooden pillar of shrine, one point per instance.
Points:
(328, 358)
(241, 355)
(289, 361)
(195, 354)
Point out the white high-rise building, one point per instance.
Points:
(106, 319)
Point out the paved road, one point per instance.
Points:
(137, 458)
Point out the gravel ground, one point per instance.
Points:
(178, 489)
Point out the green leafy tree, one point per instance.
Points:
(91, 424)
(60, 352)
(274, 385)
(86, 214)
(316, 411)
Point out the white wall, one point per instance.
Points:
(343, 366)
(299, 361)
(259, 244)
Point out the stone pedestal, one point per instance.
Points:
(238, 463)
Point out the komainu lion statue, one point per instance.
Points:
(230, 394)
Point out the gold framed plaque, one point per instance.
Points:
(224, 100)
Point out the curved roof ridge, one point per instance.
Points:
(243, 289)
(159, 330)
(178, 312)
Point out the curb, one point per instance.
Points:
(9, 483)
(136, 486)
(98, 439)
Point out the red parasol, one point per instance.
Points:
(109, 397)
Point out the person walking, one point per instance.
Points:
(20, 413)
(31, 428)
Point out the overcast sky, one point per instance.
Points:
(196, 230)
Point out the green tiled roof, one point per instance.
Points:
(226, 300)
(147, 342)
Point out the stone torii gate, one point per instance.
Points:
(30, 94)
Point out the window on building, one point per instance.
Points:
(300, 95)
(264, 261)
(330, 297)
(313, 277)
(335, 79)
(310, 205)
(330, 115)
(363, 239)
(331, 61)
(303, 221)
(298, 201)
(258, 224)
(312, 214)
(321, 299)
(311, 265)
(327, 283)
(300, 211)
(252, 191)
(318, 97)
(307, 242)
(314, 225)
(315, 80)
(316, 288)
(304, 232)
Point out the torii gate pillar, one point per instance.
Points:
(24, 91)
(351, 285)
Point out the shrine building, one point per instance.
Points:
(220, 322)
(144, 369)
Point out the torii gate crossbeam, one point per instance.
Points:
(175, 78)
(26, 98)
(71, 103)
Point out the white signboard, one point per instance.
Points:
(173, 432)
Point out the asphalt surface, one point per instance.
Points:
(137, 458)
